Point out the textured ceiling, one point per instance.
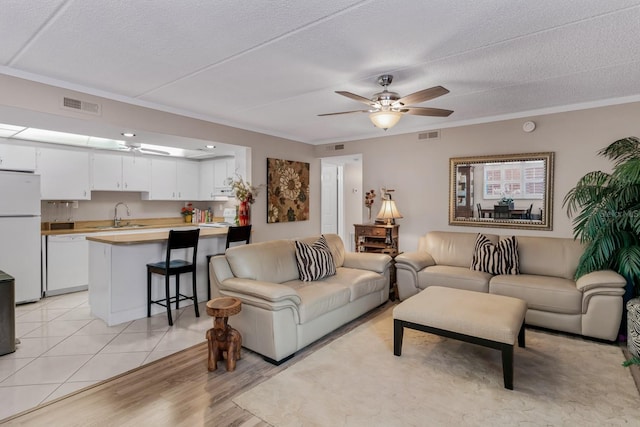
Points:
(273, 66)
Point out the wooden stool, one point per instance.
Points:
(222, 337)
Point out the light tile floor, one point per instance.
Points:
(64, 348)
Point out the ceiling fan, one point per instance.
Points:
(386, 108)
(137, 147)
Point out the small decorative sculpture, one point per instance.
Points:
(222, 338)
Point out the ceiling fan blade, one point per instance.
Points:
(344, 112)
(152, 151)
(355, 97)
(423, 95)
(423, 111)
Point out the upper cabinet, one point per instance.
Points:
(173, 179)
(17, 158)
(214, 176)
(64, 174)
(117, 172)
(187, 179)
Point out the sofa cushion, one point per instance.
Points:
(318, 298)
(271, 261)
(549, 256)
(454, 277)
(495, 259)
(314, 260)
(454, 249)
(359, 282)
(545, 293)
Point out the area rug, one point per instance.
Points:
(357, 381)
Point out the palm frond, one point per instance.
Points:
(628, 262)
(622, 150)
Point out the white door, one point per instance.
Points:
(329, 199)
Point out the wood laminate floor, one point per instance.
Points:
(176, 390)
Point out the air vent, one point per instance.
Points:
(433, 134)
(81, 106)
(334, 147)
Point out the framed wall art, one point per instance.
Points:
(287, 191)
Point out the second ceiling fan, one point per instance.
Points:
(386, 108)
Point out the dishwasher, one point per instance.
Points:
(67, 264)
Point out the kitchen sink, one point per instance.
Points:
(113, 227)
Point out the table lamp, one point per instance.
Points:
(389, 211)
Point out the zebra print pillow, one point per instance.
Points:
(496, 259)
(315, 260)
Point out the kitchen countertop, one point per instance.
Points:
(128, 224)
(123, 238)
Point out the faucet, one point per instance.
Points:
(116, 220)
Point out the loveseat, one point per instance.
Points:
(590, 306)
(280, 313)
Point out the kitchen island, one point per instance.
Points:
(118, 271)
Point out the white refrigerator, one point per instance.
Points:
(20, 232)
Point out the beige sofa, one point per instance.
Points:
(590, 306)
(281, 314)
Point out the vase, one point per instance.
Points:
(188, 218)
(633, 326)
(244, 214)
(369, 213)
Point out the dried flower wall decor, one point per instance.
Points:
(287, 191)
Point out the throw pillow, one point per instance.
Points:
(315, 260)
(496, 259)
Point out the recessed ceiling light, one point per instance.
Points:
(210, 146)
(128, 134)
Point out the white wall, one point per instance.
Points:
(419, 169)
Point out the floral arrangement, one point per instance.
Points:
(187, 210)
(369, 198)
(242, 190)
(506, 201)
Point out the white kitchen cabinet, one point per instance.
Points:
(136, 173)
(188, 173)
(64, 174)
(223, 170)
(17, 158)
(206, 188)
(173, 179)
(116, 172)
(163, 180)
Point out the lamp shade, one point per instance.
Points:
(385, 119)
(389, 211)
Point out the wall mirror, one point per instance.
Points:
(509, 191)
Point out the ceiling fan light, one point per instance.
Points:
(385, 119)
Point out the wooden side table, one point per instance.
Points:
(393, 281)
(223, 338)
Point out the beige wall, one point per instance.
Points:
(418, 169)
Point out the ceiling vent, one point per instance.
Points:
(432, 134)
(334, 147)
(81, 106)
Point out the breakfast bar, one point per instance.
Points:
(118, 273)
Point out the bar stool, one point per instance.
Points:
(185, 239)
(240, 233)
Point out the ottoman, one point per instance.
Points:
(489, 320)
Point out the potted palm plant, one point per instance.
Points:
(608, 221)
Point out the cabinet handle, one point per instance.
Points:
(117, 185)
(126, 185)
